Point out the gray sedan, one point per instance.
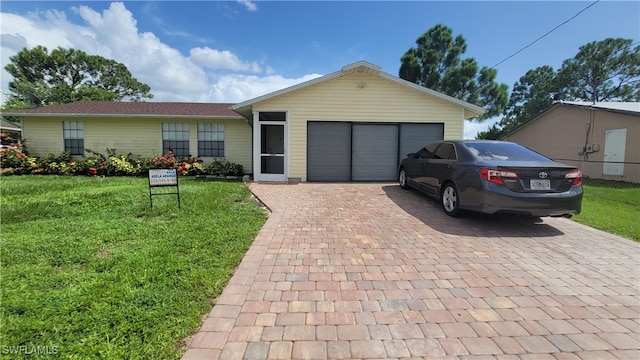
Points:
(492, 177)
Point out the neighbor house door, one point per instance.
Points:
(615, 142)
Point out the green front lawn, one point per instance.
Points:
(614, 208)
(88, 270)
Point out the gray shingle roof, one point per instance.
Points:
(107, 108)
(10, 126)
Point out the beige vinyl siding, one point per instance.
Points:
(43, 135)
(125, 135)
(342, 99)
(237, 143)
(138, 136)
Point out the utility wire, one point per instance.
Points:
(549, 32)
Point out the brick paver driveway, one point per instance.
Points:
(343, 271)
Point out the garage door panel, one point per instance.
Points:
(414, 137)
(329, 151)
(345, 151)
(374, 152)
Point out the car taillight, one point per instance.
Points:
(576, 175)
(496, 176)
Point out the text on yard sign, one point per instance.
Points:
(163, 177)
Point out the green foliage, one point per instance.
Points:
(184, 166)
(611, 209)
(68, 75)
(437, 63)
(14, 158)
(14, 161)
(89, 268)
(607, 70)
(530, 95)
(224, 167)
(492, 133)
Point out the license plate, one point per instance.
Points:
(537, 184)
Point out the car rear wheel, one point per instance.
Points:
(402, 179)
(449, 200)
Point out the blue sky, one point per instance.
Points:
(231, 51)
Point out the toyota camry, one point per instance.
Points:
(492, 177)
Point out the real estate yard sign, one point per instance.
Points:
(163, 178)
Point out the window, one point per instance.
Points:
(427, 151)
(73, 136)
(211, 140)
(175, 137)
(446, 151)
(503, 151)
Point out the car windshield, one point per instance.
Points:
(500, 151)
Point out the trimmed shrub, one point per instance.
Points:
(15, 161)
(223, 167)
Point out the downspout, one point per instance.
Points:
(589, 133)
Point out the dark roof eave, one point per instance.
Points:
(155, 116)
(600, 108)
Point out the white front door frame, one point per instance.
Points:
(258, 155)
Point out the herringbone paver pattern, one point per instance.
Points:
(347, 271)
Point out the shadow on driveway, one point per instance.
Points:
(430, 212)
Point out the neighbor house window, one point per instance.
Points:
(175, 137)
(73, 135)
(211, 140)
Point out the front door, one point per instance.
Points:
(271, 146)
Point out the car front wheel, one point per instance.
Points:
(449, 200)
(402, 179)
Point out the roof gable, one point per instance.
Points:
(359, 67)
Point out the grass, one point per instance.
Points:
(614, 208)
(89, 270)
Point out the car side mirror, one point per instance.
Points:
(412, 155)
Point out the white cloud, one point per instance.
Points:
(221, 60)
(238, 88)
(251, 6)
(471, 128)
(205, 74)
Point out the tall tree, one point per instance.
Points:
(436, 63)
(607, 70)
(69, 75)
(531, 94)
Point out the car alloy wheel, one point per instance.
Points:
(402, 179)
(449, 199)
